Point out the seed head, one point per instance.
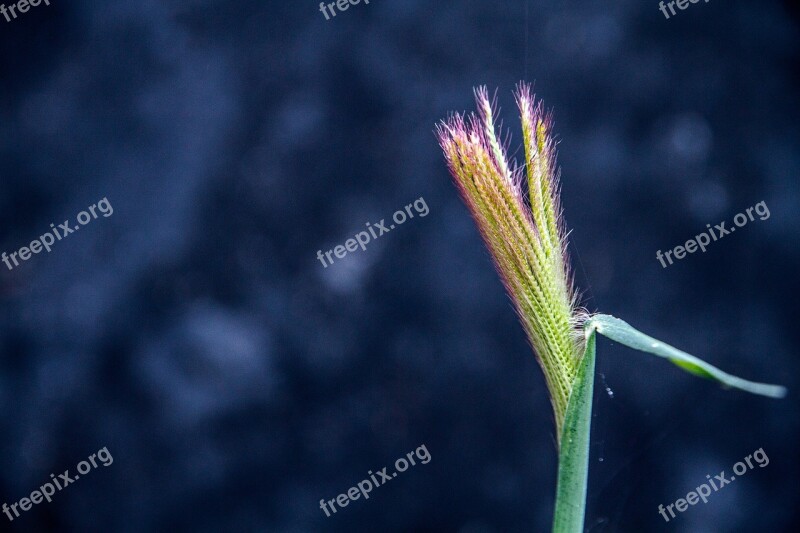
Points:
(524, 233)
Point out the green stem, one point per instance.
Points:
(573, 458)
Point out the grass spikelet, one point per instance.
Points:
(526, 240)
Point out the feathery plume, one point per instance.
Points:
(527, 241)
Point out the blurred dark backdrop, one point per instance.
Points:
(237, 382)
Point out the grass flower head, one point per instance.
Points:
(523, 232)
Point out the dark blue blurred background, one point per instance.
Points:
(237, 382)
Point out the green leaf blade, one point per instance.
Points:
(623, 333)
(573, 457)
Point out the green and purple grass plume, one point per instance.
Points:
(526, 238)
(524, 233)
